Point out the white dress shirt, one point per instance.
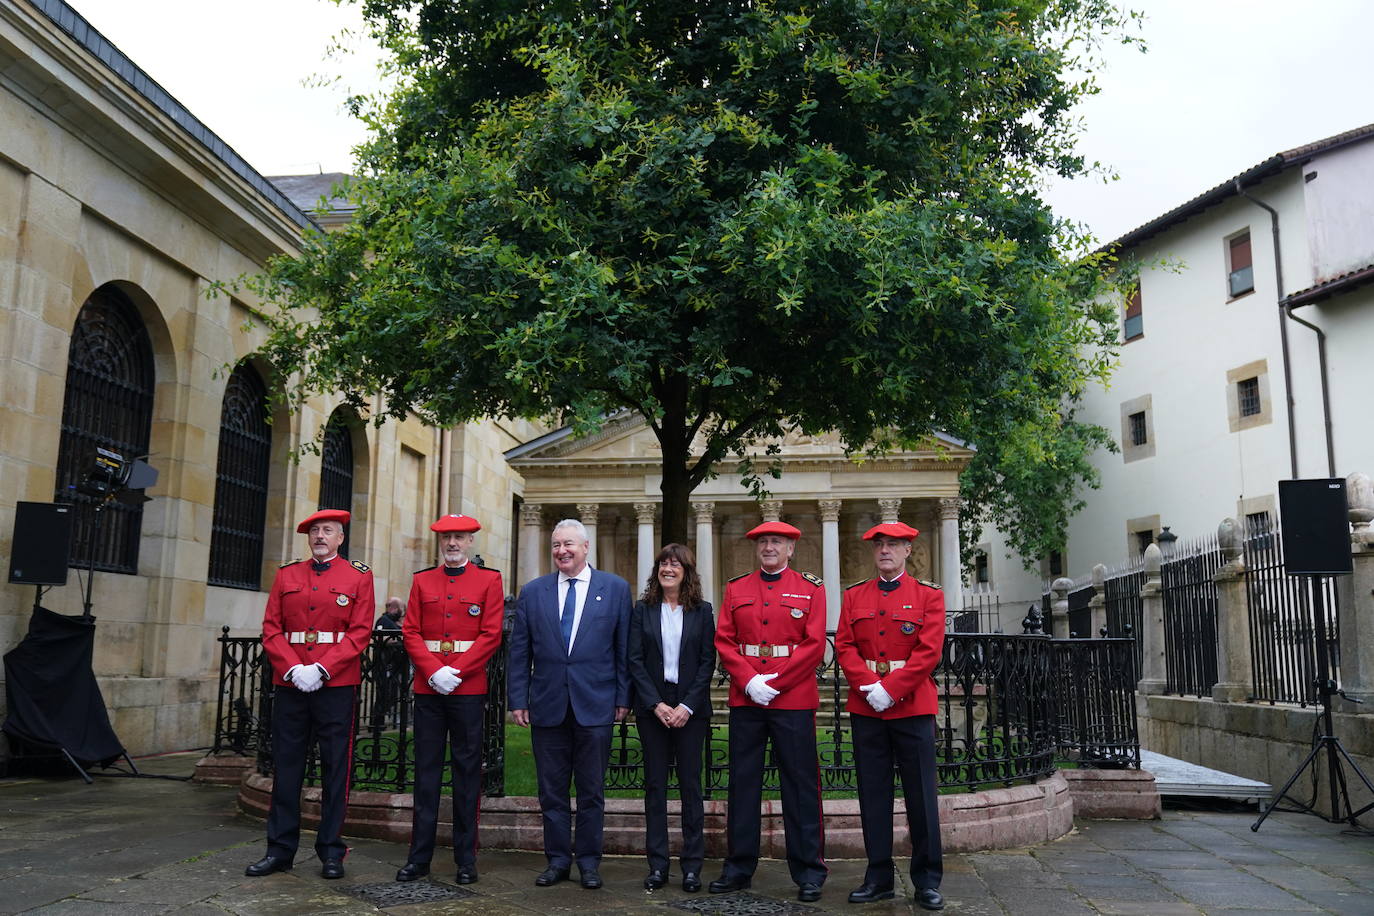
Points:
(584, 585)
(670, 626)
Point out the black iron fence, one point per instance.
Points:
(1010, 706)
(1283, 642)
(1190, 617)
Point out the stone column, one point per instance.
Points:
(771, 510)
(951, 578)
(1353, 594)
(888, 509)
(1097, 605)
(706, 549)
(1235, 672)
(586, 514)
(830, 559)
(644, 513)
(605, 551)
(1059, 608)
(531, 542)
(1151, 636)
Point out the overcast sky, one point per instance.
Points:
(1225, 84)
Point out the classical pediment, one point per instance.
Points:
(628, 440)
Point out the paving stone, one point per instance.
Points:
(1148, 908)
(1359, 903)
(1119, 888)
(1044, 902)
(27, 891)
(78, 907)
(1257, 895)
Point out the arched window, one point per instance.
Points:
(245, 448)
(108, 404)
(336, 468)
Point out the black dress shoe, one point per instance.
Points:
(332, 868)
(724, 885)
(467, 874)
(928, 898)
(550, 876)
(867, 893)
(691, 882)
(412, 870)
(266, 865)
(809, 893)
(655, 879)
(591, 879)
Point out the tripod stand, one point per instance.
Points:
(1327, 744)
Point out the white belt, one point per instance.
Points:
(883, 666)
(765, 651)
(314, 636)
(448, 645)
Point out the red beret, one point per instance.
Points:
(897, 530)
(324, 515)
(781, 528)
(459, 523)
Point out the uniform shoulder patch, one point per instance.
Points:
(812, 578)
(360, 567)
(928, 584)
(737, 578)
(290, 563)
(857, 584)
(425, 570)
(490, 569)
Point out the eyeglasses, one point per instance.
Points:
(670, 561)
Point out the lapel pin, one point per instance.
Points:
(598, 597)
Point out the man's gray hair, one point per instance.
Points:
(579, 528)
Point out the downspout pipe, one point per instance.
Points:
(1326, 394)
(1283, 329)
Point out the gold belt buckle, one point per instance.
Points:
(446, 645)
(883, 667)
(765, 651)
(311, 636)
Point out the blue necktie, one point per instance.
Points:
(569, 610)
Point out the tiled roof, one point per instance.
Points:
(305, 191)
(1328, 288)
(1253, 175)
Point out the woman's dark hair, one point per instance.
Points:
(690, 591)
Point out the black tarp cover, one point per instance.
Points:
(54, 701)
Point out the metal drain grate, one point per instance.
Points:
(397, 893)
(743, 903)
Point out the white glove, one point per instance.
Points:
(877, 696)
(758, 688)
(306, 678)
(445, 680)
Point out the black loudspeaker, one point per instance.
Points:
(41, 544)
(1315, 527)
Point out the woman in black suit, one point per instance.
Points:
(672, 657)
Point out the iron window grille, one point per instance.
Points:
(1248, 396)
(1139, 436)
(108, 403)
(336, 470)
(241, 480)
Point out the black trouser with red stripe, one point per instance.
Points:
(327, 716)
(793, 734)
(455, 721)
(908, 743)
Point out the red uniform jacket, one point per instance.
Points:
(337, 601)
(465, 608)
(906, 625)
(789, 612)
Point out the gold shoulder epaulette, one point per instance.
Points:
(928, 584)
(857, 584)
(737, 578)
(360, 567)
(290, 563)
(813, 579)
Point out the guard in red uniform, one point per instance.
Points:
(888, 641)
(317, 623)
(451, 628)
(771, 638)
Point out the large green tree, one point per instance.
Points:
(729, 217)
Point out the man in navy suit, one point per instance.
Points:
(569, 680)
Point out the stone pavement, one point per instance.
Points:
(135, 846)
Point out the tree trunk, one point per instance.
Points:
(676, 446)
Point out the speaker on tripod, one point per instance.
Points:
(1315, 532)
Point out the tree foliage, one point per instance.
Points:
(730, 217)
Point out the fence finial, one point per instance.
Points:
(1153, 561)
(1359, 494)
(1099, 577)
